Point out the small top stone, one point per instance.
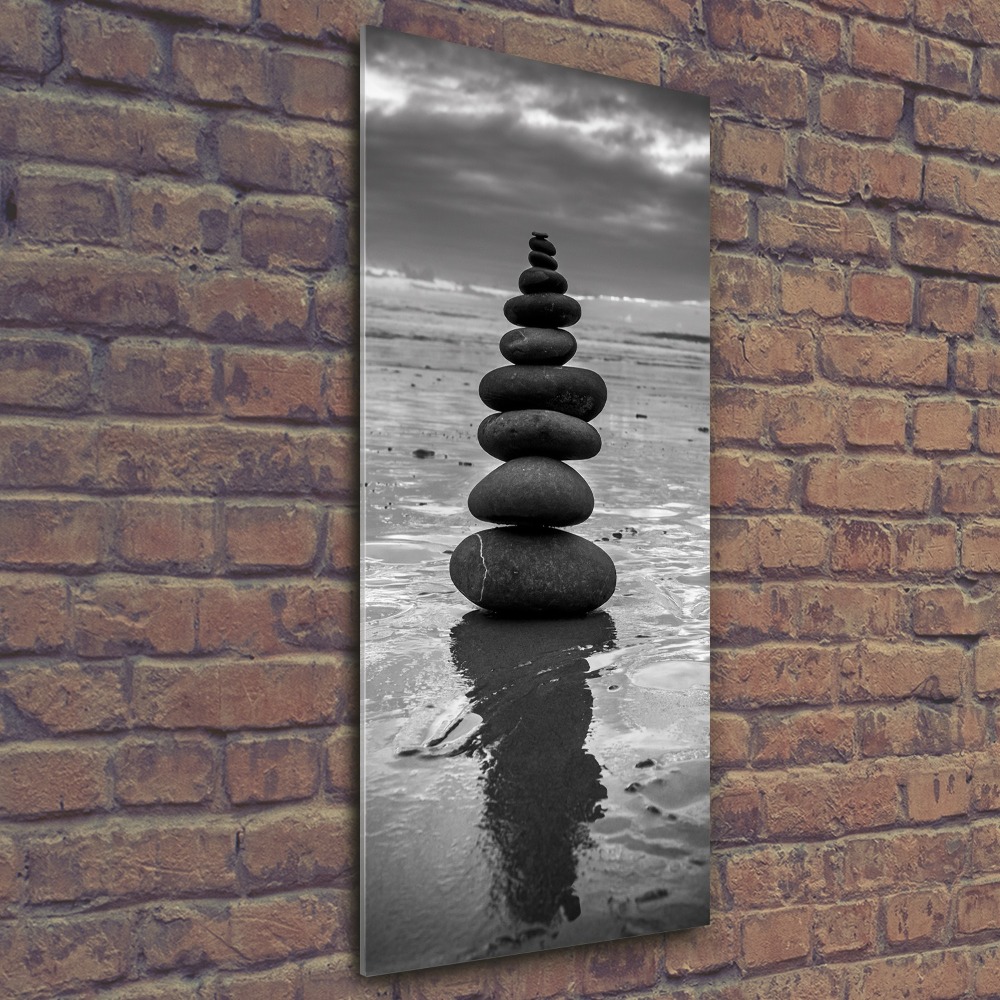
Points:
(543, 236)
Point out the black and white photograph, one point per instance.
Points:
(535, 508)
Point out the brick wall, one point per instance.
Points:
(177, 480)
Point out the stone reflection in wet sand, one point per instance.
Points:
(541, 787)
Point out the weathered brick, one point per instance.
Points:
(165, 534)
(948, 306)
(44, 371)
(942, 425)
(730, 737)
(775, 936)
(766, 351)
(741, 613)
(29, 37)
(942, 974)
(736, 814)
(875, 670)
(341, 379)
(50, 533)
(989, 73)
(801, 419)
(774, 29)
(742, 285)
(100, 131)
(809, 736)
(978, 908)
(280, 983)
(962, 126)
(48, 779)
(929, 547)
(829, 167)
(874, 864)
(287, 231)
(784, 674)
(240, 694)
(295, 846)
(918, 917)
(860, 107)
(845, 928)
(733, 548)
(884, 359)
(859, 546)
(970, 487)
(68, 697)
(980, 553)
(79, 205)
(822, 230)
(104, 46)
(273, 384)
(171, 771)
(845, 611)
(342, 539)
(321, 19)
(986, 971)
(991, 308)
(789, 543)
(180, 218)
(948, 66)
(746, 153)
(163, 377)
(316, 86)
(812, 289)
(473, 27)
(269, 536)
(987, 662)
(34, 613)
(222, 70)
(769, 875)
(891, 174)
(881, 298)
(750, 482)
(950, 611)
(972, 20)
(908, 729)
(337, 307)
(272, 770)
(341, 753)
(962, 188)
(985, 785)
(730, 215)
(875, 422)
(896, 10)
(896, 485)
(246, 307)
(887, 50)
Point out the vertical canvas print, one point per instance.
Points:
(535, 530)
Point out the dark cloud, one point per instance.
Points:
(467, 152)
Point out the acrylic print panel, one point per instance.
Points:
(535, 775)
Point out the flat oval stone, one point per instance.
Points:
(538, 259)
(538, 279)
(532, 572)
(538, 432)
(550, 309)
(532, 491)
(578, 392)
(537, 346)
(542, 245)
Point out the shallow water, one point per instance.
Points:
(529, 785)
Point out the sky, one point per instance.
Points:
(467, 151)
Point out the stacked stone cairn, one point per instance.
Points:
(529, 567)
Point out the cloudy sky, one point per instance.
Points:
(468, 151)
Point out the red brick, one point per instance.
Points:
(886, 50)
(832, 168)
(68, 697)
(273, 384)
(738, 414)
(730, 213)
(337, 307)
(104, 46)
(100, 131)
(165, 534)
(769, 88)
(943, 975)
(863, 547)
(884, 359)
(55, 204)
(576, 45)
(989, 73)
(980, 551)
(342, 539)
(860, 107)
(169, 378)
(989, 429)
(917, 918)
(987, 660)
(171, 771)
(34, 613)
(991, 309)
(44, 371)
(812, 289)
(701, 949)
(822, 230)
(222, 70)
(316, 86)
(730, 736)
(775, 936)
(239, 694)
(881, 298)
(272, 770)
(750, 482)
(979, 908)
(341, 752)
(477, 28)
(896, 10)
(926, 548)
(299, 847)
(741, 613)
(747, 153)
(301, 158)
(249, 307)
(765, 351)
(615, 965)
(51, 955)
(962, 126)
(243, 932)
(972, 20)
(962, 189)
(844, 928)
(908, 729)
(180, 218)
(116, 615)
(774, 29)
(877, 863)
(341, 380)
(320, 19)
(948, 66)
(742, 285)
(986, 785)
(48, 779)
(165, 859)
(736, 814)
(803, 419)
(880, 670)
(942, 425)
(986, 971)
(281, 983)
(950, 611)
(671, 18)
(847, 610)
(970, 487)
(733, 549)
(781, 674)
(789, 543)
(875, 422)
(270, 536)
(804, 737)
(286, 231)
(775, 875)
(891, 174)
(948, 306)
(949, 244)
(29, 38)
(898, 485)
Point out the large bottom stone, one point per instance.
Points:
(538, 432)
(532, 490)
(533, 572)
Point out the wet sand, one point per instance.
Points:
(530, 785)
